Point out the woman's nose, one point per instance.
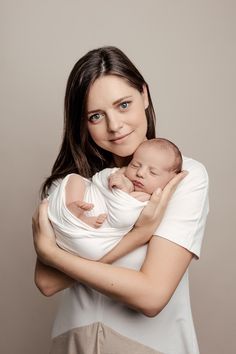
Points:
(114, 123)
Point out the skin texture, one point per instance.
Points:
(149, 289)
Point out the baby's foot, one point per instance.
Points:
(100, 220)
(79, 207)
(83, 205)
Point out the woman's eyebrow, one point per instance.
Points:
(114, 103)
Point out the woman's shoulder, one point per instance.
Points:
(196, 169)
(54, 185)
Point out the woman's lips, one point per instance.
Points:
(120, 139)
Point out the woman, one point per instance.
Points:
(140, 303)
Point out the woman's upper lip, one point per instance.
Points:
(120, 137)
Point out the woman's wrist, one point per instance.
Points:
(48, 254)
(146, 230)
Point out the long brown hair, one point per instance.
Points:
(78, 152)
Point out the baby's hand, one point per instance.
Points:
(118, 180)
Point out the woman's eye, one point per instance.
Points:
(95, 118)
(125, 104)
(134, 165)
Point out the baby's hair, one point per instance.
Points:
(168, 145)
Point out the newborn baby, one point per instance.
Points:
(90, 217)
(154, 164)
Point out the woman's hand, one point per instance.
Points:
(43, 234)
(153, 212)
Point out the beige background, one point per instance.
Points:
(186, 51)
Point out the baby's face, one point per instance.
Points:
(148, 169)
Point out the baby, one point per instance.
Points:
(154, 164)
(118, 196)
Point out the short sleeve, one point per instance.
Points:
(185, 217)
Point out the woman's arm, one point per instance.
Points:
(133, 240)
(50, 280)
(130, 241)
(147, 290)
(144, 228)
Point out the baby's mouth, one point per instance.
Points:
(137, 184)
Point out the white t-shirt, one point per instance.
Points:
(172, 330)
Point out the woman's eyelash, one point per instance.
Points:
(96, 114)
(91, 118)
(127, 102)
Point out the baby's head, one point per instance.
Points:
(154, 164)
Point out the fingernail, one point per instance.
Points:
(44, 200)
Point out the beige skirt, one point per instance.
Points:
(97, 339)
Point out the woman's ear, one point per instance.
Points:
(145, 96)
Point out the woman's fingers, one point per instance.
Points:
(35, 220)
(43, 234)
(149, 212)
(171, 186)
(40, 221)
(44, 223)
(153, 212)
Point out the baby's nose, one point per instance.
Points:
(140, 172)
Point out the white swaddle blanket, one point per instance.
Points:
(79, 238)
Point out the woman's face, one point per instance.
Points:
(116, 115)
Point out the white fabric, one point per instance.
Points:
(172, 330)
(76, 236)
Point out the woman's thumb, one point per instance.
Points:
(155, 197)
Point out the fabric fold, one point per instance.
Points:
(74, 235)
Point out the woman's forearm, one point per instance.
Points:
(50, 280)
(128, 243)
(126, 285)
(147, 290)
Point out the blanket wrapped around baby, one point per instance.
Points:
(74, 235)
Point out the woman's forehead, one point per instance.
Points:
(107, 90)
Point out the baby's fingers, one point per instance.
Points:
(113, 180)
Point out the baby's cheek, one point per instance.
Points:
(157, 183)
(128, 173)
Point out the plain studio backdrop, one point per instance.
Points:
(186, 52)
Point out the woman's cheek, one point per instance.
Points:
(95, 132)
